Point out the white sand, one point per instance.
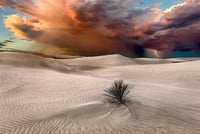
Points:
(43, 96)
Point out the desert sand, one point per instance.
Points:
(65, 96)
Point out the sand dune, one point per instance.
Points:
(88, 63)
(30, 60)
(35, 97)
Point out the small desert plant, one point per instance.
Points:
(117, 92)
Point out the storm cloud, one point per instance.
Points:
(106, 26)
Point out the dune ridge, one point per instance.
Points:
(31, 60)
(40, 99)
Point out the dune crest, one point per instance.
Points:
(30, 60)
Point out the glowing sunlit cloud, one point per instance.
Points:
(108, 26)
(174, 7)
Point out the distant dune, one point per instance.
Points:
(99, 61)
(65, 96)
(117, 60)
(16, 59)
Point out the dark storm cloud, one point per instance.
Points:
(178, 29)
(106, 26)
(183, 16)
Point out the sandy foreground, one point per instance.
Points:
(54, 96)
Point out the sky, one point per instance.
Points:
(136, 28)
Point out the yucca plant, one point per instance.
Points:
(117, 92)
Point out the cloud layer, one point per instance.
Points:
(106, 26)
(5, 42)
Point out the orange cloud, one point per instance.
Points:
(11, 23)
(108, 26)
(21, 25)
